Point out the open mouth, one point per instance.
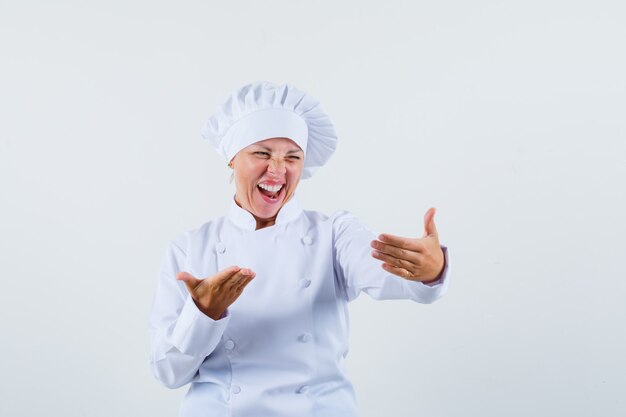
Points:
(270, 193)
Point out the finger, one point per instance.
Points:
(394, 240)
(414, 245)
(396, 252)
(429, 223)
(237, 279)
(244, 283)
(399, 263)
(190, 281)
(401, 272)
(223, 275)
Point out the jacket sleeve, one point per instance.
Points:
(357, 270)
(181, 336)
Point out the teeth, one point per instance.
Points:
(271, 188)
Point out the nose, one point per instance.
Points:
(277, 167)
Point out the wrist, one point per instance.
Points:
(439, 275)
(214, 313)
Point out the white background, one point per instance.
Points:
(508, 117)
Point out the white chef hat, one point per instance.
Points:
(264, 110)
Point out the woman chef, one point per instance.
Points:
(251, 308)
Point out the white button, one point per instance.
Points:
(304, 283)
(306, 337)
(220, 247)
(307, 240)
(235, 389)
(303, 389)
(229, 345)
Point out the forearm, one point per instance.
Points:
(180, 347)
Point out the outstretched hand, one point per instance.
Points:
(213, 295)
(415, 259)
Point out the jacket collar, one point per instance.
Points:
(245, 220)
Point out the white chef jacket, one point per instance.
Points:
(280, 348)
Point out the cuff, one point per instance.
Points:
(195, 333)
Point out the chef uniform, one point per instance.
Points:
(280, 348)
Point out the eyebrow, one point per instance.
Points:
(289, 152)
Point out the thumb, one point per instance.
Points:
(190, 281)
(429, 223)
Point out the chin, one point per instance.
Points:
(263, 212)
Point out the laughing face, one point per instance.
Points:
(266, 176)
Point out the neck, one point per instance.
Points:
(262, 223)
